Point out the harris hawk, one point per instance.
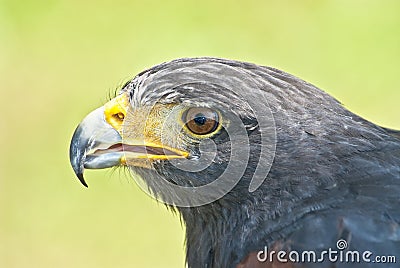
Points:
(265, 169)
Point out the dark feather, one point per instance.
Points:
(334, 175)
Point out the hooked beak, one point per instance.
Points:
(97, 142)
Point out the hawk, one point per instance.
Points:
(265, 169)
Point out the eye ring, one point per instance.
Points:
(201, 120)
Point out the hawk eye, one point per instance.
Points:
(200, 120)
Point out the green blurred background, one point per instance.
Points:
(60, 59)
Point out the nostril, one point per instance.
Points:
(119, 116)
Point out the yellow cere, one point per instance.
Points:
(115, 111)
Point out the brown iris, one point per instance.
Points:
(200, 120)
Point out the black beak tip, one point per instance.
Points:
(81, 179)
(77, 153)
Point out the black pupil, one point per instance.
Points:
(200, 119)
